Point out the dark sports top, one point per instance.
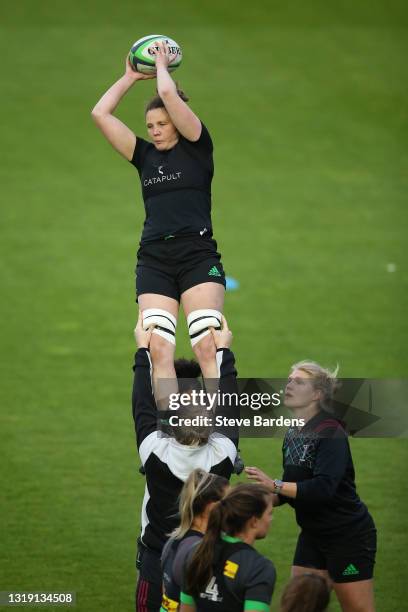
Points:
(242, 580)
(173, 558)
(318, 458)
(176, 187)
(168, 463)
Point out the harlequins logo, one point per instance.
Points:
(169, 604)
(351, 570)
(230, 569)
(214, 271)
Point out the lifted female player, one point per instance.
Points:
(338, 535)
(178, 260)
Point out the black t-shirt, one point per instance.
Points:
(242, 579)
(172, 560)
(176, 187)
(318, 458)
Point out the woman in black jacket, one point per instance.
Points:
(338, 535)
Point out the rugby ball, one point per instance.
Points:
(142, 57)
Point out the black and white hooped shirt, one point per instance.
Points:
(168, 463)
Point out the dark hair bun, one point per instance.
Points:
(157, 102)
(187, 368)
(182, 95)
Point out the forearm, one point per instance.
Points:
(143, 404)
(288, 489)
(166, 87)
(142, 384)
(113, 96)
(228, 409)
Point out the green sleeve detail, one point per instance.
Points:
(186, 599)
(249, 604)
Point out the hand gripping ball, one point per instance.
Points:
(143, 59)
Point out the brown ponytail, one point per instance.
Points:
(230, 515)
(199, 571)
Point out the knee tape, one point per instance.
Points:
(199, 322)
(164, 323)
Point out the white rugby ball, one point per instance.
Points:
(143, 59)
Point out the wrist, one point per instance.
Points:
(277, 486)
(129, 79)
(161, 68)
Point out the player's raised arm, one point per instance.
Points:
(186, 122)
(143, 403)
(228, 386)
(115, 131)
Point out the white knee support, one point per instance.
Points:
(164, 323)
(199, 322)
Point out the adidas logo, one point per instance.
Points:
(351, 570)
(214, 271)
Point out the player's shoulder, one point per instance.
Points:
(221, 447)
(142, 149)
(252, 564)
(142, 142)
(326, 425)
(204, 141)
(322, 425)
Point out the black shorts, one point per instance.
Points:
(149, 582)
(349, 558)
(170, 267)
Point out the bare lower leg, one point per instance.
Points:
(206, 354)
(207, 296)
(162, 350)
(209, 369)
(164, 374)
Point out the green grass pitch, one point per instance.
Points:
(307, 106)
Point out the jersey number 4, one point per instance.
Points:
(211, 591)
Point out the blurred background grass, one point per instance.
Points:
(307, 106)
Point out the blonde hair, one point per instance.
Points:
(200, 489)
(323, 379)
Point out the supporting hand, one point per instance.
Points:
(163, 56)
(142, 337)
(260, 477)
(223, 337)
(133, 74)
